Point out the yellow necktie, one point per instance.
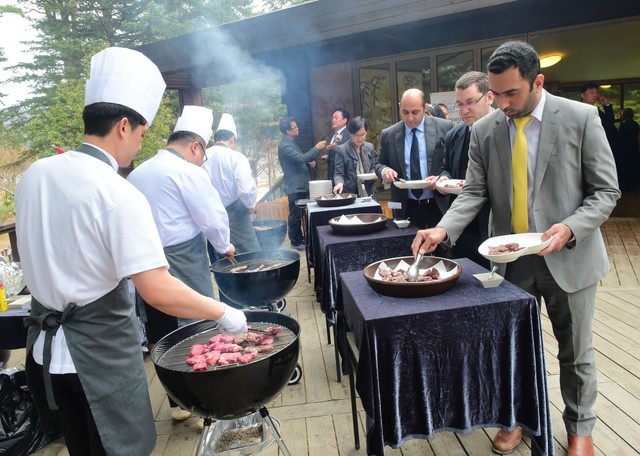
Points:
(520, 212)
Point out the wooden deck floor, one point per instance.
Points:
(316, 417)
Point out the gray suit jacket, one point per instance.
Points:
(346, 171)
(392, 155)
(575, 183)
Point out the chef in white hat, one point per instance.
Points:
(230, 174)
(82, 229)
(187, 211)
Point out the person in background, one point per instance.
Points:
(339, 136)
(563, 184)
(186, 209)
(435, 111)
(294, 164)
(230, 174)
(424, 206)
(628, 148)
(445, 109)
(590, 94)
(354, 157)
(81, 230)
(473, 101)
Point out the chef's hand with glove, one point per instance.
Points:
(234, 321)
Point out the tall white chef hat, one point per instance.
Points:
(227, 123)
(196, 119)
(126, 77)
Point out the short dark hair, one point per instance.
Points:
(356, 124)
(477, 78)
(344, 112)
(223, 135)
(589, 85)
(100, 118)
(184, 137)
(436, 111)
(515, 54)
(285, 125)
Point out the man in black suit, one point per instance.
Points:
(628, 148)
(339, 136)
(473, 101)
(295, 166)
(425, 206)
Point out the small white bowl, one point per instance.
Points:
(401, 223)
(487, 282)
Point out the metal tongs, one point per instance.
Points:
(412, 273)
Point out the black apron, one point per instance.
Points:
(102, 337)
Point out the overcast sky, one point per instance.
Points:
(13, 30)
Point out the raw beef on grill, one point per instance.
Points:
(228, 358)
(198, 349)
(225, 349)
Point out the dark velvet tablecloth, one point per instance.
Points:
(13, 333)
(468, 358)
(343, 253)
(319, 215)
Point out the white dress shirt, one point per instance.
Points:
(81, 228)
(230, 174)
(182, 200)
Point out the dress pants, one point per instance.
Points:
(295, 219)
(571, 315)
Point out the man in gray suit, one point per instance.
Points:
(295, 166)
(424, 206)
(571, 190)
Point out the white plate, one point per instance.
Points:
(530, 243)
(414, 184)
(442, 186)
(367, 176)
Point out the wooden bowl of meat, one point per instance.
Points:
(358, 223)
(437, 276)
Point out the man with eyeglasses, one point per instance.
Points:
(565, 173)
(413, 149)
(473, 101)
(295, 166)
(186, 208)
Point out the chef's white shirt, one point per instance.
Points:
(230, 174)
(81, 228)
(182, 200)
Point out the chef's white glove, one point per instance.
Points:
(234, 320)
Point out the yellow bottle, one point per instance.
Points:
(4, 305)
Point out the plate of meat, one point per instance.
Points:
(437, 275)
(450, 186)
(504, 249)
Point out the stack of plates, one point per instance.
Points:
(319, 187)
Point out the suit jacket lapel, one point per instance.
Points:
(430, 144)
(400, 150)
(548, 136)
(503, 143)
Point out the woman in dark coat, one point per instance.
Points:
(355, 157)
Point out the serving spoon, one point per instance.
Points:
(412, 273)
(493, 269)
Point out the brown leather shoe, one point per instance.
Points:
(580, 446)
(506, 442)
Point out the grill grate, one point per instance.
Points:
(175, 358)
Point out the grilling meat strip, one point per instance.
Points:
(504, 248)
(401, 276)
(225, 349)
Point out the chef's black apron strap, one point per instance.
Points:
(49, 321)
(95, 153)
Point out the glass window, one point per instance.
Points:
(451, 67)
(485, 53)
(413, 74)
(632, 98)
(375, 98)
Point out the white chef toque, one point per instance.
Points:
(125, 77)
(196, 119)
(227, 123)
